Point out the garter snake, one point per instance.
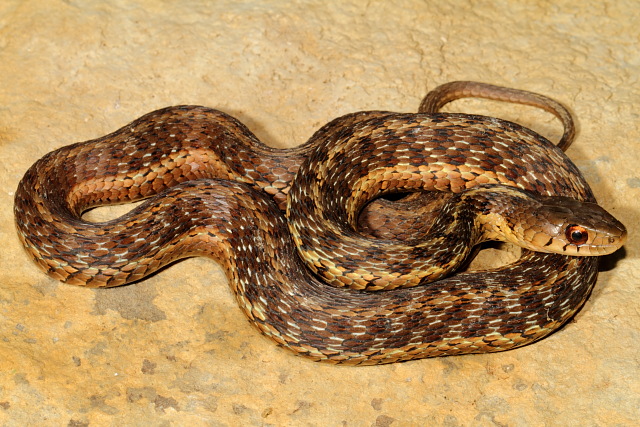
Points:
(210, 187)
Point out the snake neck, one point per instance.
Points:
(505, 214)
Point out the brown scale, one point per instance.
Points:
(181, 158)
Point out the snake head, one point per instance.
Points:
(546, 224)
(571, 227)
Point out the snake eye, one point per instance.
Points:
(576, 234)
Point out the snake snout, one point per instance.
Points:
(614, 238)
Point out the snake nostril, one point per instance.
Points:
(612, 240)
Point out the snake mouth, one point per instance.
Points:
(613, 244)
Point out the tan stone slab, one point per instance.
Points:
(175, 349)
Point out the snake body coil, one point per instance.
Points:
(211, 187)
(411, 152)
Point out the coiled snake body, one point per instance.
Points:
(211, 187)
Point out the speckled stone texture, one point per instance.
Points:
(175, 349)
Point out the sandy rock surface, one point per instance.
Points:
(175, 349)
